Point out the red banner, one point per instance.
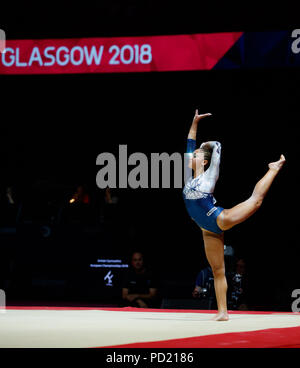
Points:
(115, 55)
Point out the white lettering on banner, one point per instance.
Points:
(35, 56)
(72, 55)
(49, 56)
(62, 62)
(127, 53)
(18, 63)
(93, 55)
(12, 60)
(78, 55)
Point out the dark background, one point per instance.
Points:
(54, 126)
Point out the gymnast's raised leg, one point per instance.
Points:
(239, 213)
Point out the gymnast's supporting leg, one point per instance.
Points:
(214, 250)
(237, 214)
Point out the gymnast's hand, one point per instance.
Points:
(193, 129)
(198, 116)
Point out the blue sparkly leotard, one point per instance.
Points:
(198, 192)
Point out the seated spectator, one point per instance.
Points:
(237, 286)
(204, 285)
(139, 287)
(204, 281)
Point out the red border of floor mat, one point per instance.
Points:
(271, 338)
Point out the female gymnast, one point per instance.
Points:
(199, 201)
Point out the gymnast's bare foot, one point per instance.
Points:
(278, 164)
(221, 316)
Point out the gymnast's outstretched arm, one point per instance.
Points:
(193, 130)
(191, 140)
